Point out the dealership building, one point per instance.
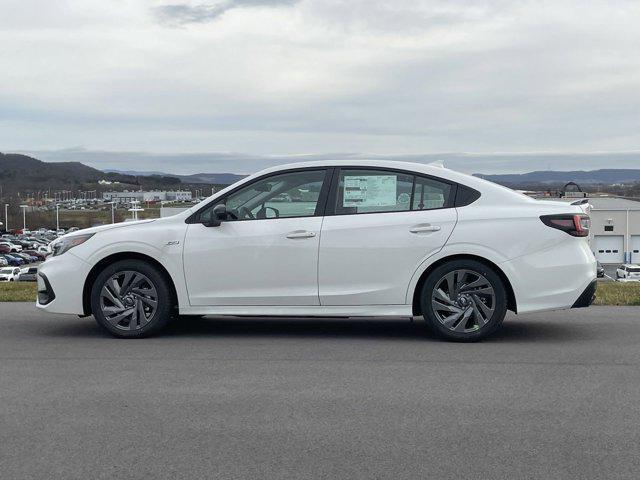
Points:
(151, 196)
(615, 228)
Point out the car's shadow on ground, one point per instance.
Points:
(514, 329)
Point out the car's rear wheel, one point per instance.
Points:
(463, 300)
(132, 299)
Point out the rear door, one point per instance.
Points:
(379, 227)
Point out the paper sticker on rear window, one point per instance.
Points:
(369, 190)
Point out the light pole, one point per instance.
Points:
(113, 215)
(6, 217)
(24, 217)
(57, 218)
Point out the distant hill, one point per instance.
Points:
(604, 176)
(24, 174)
(208, 178)
(33, 173)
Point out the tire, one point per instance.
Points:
(139, 304)
(477, 296)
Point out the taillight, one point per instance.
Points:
(575, 225)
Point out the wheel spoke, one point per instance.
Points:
(478, 282)
(113, 310)
(447, 308)
(126, 282)
(133, 323)
(477, 315)
(485, 309)
(106, 293)
(142, 318)
(149, 301)
(462, 325)
(451, 284)
(442, 297)
(115, 286)
(451, 320)
(118, 318)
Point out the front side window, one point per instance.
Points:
(285, 195)
(378, 191)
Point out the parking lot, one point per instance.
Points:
(552, 396)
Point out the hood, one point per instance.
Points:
(110, 226)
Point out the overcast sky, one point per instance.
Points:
(234, 85)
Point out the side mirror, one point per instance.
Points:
(218, 214)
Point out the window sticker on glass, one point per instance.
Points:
(369, 190)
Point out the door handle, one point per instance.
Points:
(300, 234)
(424, 228)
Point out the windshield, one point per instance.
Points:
(6, 270)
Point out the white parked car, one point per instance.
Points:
(364, 238)
(628, 273)
(9, 274)
(15, 248)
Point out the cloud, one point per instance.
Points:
(182, 13)
(401, 78)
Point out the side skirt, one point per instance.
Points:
(302, 311)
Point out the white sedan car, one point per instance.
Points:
(357, 238)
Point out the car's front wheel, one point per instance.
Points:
(132, 299)
(463, 300)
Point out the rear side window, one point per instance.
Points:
(430, 194)
(379, 191)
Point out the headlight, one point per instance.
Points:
(65, 243)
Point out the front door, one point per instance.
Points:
(266, 252)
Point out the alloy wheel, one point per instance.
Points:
(463, 300)
(128, 300)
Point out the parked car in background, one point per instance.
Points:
(40, 256)
(25, 257)
(628, 272)
(28, 274)
(370, 238)
(13, 247)
(9, 274)
(3, 261)
(600, 270)
(13, 260)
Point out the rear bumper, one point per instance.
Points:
(553, 279)
(587, 297)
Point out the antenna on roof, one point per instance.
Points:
(437, 163)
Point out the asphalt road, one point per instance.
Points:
(552, 396)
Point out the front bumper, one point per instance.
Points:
(45, 292)
(63, 277)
